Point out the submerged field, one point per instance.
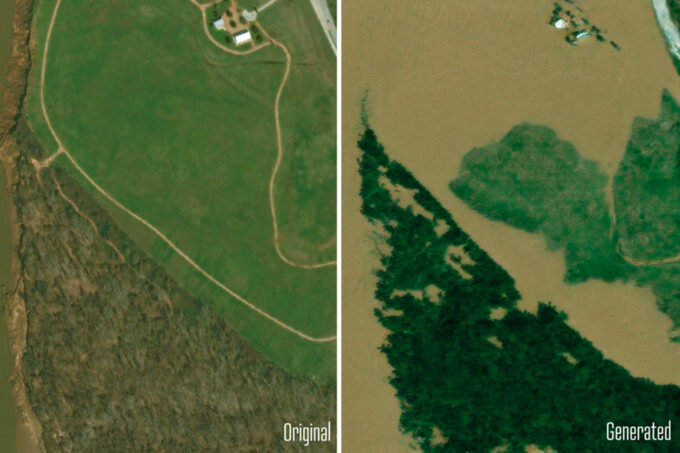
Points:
(473, 371)
(183, 134)
(430, 111)
(537, 182)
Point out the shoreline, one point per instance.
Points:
(27, 429)
(668, 28)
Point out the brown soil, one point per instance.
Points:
(235, 17)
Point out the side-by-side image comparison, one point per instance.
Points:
(361, 226)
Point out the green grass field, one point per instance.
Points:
(183, 134)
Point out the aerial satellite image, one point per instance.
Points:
(168, 226)
(376, 226)
(511, 226)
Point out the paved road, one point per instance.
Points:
(326, 20)
(663, 15)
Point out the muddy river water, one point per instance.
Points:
(7, 423)
(444, 77)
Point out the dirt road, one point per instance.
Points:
(61, 149)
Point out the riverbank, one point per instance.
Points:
(7, 411)
(669, 29)
(13, 92)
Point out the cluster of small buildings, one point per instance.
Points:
(574, 24)
(240, 37)
(238, 29)
(562, 24)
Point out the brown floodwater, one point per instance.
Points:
(444, 77)
(7, 420)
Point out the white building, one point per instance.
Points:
(560, 24)
(219, 24)
(242, 37)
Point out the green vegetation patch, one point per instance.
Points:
(674, 8)
(647, 187)
(183, 134)
(470, 381)
(534, 181)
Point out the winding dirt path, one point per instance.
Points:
(642, 263)
(61, 149)
(89, 219)
(279, 140)
(279, 159)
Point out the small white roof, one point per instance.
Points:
(560, 23)
(242, 37)
(219, 24)
(583, 34)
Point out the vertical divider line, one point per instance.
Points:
(338, 267)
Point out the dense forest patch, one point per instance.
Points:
(674, 7)
(472, 372)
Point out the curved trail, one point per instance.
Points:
(279, 140)
(627, 259)
(62, 150)
(92, 223)
(279, 158)
(642, 263)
